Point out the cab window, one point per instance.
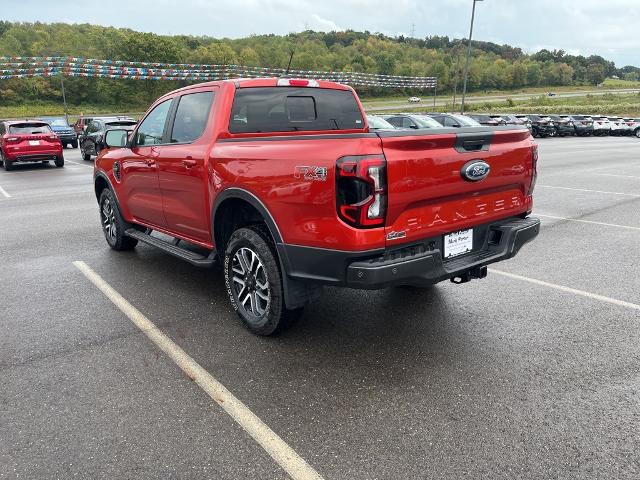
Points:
(191, 117)
(151, 129)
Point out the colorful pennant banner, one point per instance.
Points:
(25, 67)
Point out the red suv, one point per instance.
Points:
(284, 183)
(28, 141)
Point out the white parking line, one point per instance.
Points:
(562, 288)
(615, 175)
(81, 164)
(587, 221)
(282, 453)
(4, 193)
(592, 191)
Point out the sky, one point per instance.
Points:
(602, 27)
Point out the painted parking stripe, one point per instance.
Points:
(629, 227)
(4, 193)
(591, 191)
(616, 175)
(574, 291)
(81, 164)
(283, 454)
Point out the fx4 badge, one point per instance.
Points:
(314, 174)
(396, 235)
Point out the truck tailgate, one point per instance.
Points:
(428, 194)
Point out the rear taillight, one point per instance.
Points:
(12, 139)
(361, 190)
(534, 169)
(52, 137)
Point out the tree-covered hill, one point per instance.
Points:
(493, 66)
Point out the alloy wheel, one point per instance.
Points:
(108, 220)
(250, 282)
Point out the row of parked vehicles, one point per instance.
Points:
(44, 139)
(538, 125)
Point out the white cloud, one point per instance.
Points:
(322, 24)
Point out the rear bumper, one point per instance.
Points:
(67, 137)
(416, 264)
(34, 156)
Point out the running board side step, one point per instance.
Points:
(192, 257)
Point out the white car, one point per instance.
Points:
(414, 99)
(601, 126)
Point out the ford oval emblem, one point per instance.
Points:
(475, 170)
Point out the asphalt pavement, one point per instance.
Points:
(531, 373)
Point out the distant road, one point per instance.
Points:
(427, 102)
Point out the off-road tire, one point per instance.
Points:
(250, 264)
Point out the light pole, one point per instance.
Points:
(466, 66)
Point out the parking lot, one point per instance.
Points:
(530, 373)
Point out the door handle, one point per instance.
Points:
(189, 163)
(150, 162)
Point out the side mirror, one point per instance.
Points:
(456, 125)
(116, 138)
(414, 126)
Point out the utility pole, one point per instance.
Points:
(413, 30)
(64, 98)
(466, 66)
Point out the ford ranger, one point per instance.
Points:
(282, 182)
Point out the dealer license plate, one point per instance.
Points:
(34, 142)
(458, 243)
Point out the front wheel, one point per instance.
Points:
(85, 156)
(74, 144)
(254, 282)
(113, 225)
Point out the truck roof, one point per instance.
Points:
(266, 82)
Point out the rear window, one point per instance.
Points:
(29, 128)
(288, 109)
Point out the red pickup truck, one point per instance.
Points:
(282, 182)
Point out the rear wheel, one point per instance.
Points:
(8, 166)
(113, 225)
(637, 132)
(59, 161)
(254, 282)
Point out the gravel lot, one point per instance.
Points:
(500, 378)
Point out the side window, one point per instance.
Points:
(407, 123)
(92, 128)
(450, 122)
(395, 121)
(191, 117)
(2, 129)
(151, 129)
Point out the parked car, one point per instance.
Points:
(409, 120)
(511, 119)
(368, 211)
(634, 123)
(64, 131)
(91, 139)
(415, 99)
(583, 125)
(601, 126)
(489, 120)
(28, 141)
(378, 123)
(542, 126)
(563, 125)
(619, 127)
(453, 120)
